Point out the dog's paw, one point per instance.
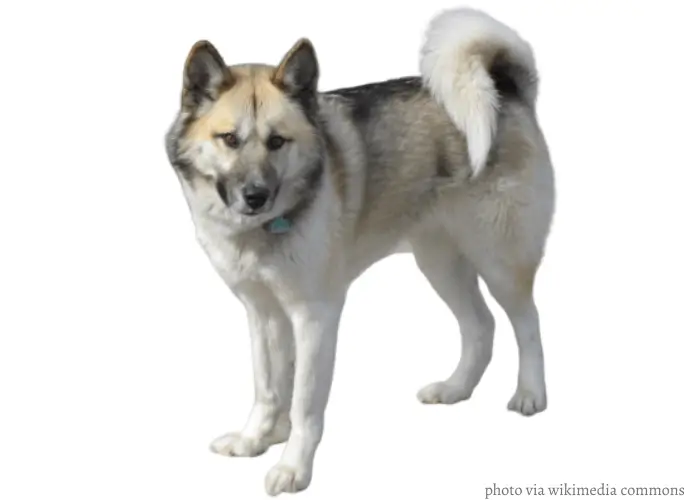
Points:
(442, 393)
(286, 479)
(235, 445)
(527, 402)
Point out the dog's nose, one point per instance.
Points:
(255, 196)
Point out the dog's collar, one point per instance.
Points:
(283, 223)
(279, 225)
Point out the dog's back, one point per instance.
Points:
(456, 145)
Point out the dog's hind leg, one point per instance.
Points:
(455, 280)
(512, 286)
(508, 261)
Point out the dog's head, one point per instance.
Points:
(246, 134)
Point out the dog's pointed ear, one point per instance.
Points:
(205, 75)
(298, 71)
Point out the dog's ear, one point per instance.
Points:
(205, 75)
(298, 71)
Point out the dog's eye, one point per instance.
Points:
(230, 139)
(275, 142)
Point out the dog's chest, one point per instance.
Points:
(284, 261)
(233, 261)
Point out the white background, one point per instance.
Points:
(122, 354)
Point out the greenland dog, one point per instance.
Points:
(294, 192)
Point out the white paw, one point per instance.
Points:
(528, 402)
(286, 479)
(442, 393)
(235, 445)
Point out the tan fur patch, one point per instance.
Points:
(252, 107)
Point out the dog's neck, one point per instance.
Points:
(288, 220)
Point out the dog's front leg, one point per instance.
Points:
(315, 333)
(272, 344)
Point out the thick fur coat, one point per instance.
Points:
(295, 192)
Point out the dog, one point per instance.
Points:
(294, 192)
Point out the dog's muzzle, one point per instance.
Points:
(255, 196)
(249, 199)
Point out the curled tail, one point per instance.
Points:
(468, 61)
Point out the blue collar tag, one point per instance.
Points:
(280, 225)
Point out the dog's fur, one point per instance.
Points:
(450, 165)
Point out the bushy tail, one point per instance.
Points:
(468, 60)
